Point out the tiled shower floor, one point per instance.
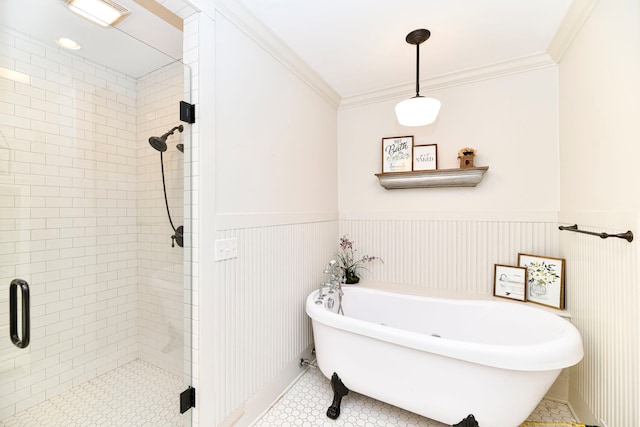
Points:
(305, 404)
(136, 394)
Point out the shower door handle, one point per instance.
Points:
(23, 287)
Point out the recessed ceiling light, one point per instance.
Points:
(102, 12)
(67, 43)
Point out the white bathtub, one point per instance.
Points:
(444, 358)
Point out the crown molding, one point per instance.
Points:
(576, 16)
(458, 78)
(242, 18)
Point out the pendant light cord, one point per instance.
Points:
(417, 69)
(164, 188)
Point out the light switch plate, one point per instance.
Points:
(226, 249)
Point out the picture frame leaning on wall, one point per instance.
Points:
(545, 279)
(510, 282)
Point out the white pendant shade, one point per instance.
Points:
(417, 111)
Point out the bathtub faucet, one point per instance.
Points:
(335, 281)
(327, 270)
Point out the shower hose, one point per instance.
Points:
(177, 232)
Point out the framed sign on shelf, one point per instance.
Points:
(425, 157)
(397, 154)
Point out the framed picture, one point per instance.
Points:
(545, 279)
(425, 157)
(397, 154)
(510, 282)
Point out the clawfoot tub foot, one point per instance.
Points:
(470, 421)
(339, 391)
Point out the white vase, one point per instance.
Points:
(538, 291)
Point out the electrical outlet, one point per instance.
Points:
(226, 249)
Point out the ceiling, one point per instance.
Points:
(141, 43)
(358, 46)
(355, 46)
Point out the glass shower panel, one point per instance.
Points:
(83, 222)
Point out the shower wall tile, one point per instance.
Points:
(68, 225)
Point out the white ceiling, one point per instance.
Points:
(356, 46)
(141, 43)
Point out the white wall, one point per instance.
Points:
(275, 138)
(273, 188)
(599, 105)
(510, 121)
(275, 158)
(450, 238)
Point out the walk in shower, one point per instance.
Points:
(83, 223)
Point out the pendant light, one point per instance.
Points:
(417, 111)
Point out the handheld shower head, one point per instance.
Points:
(160, 142)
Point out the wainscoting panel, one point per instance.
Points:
(604, 299)
(260, 322)
(453, 255)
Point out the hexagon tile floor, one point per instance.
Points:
(136, 394)
(140, 394)
(305, 404)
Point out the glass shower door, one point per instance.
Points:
(15, 304)
(93, 317)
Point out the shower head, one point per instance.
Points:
(160, 142)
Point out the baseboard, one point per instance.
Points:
(580, 408)
(260, 402)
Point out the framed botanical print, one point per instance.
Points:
(545, 279)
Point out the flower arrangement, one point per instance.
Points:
(348, 263)
(541, 273)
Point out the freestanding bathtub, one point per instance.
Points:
(443, 358)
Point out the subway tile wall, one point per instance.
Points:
(70, 222)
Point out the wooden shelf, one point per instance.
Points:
(435, 178)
